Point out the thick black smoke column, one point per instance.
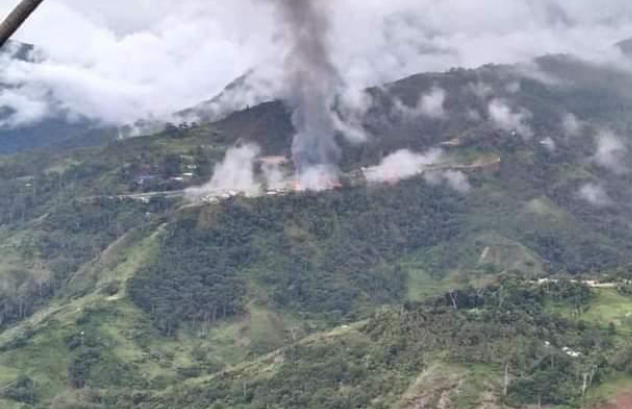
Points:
(311, 84)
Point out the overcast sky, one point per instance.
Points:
(118, 60)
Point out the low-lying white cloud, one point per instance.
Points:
(611, 152)
(549, 144)
(429, 105)
(402, 164)
(594, 194)
(432, 103)
(481, 90)
(118, 60)
(571, 125)
(24, 108)
(509, 119)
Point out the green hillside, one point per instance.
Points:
(116, 293)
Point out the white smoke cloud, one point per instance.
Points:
(481, 90)
(236, 174)
(474, 115)
(455, 179)
(595, 195)
(401, 165)
(571, 125)
(513, 87)
(354, 103)
(118, 60)
(275, 175)
(611, 152)
(318, 178)
(510, 120)
(549, 144)
(429, 105)
(405, 164)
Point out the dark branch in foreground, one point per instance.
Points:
(17, 17)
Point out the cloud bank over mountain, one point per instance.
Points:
(118, 61)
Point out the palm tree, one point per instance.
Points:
(18, 16)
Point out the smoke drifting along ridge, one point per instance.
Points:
(311, 85)
(244, 171)
(402, 164)
(405, 164)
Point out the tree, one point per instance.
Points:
(171, 165)
(22, 390)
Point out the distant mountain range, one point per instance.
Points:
(58, 132)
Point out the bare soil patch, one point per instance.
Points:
(622, 401)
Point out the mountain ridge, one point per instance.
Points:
(324, 299)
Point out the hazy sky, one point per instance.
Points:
(118, 60)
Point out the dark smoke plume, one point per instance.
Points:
(311, 83)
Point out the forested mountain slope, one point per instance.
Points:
(408, 295)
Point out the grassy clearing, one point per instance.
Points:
(37, 346)
(133, 259)
(507, 255)
(610, 389)
(433, 383)
(266, 329)
(421, 284)
(607, 307)
(116, 264)
(459, 386)
(44, 358)
(480, 387)
(611, 307)
(9, 404)
(475, 264)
